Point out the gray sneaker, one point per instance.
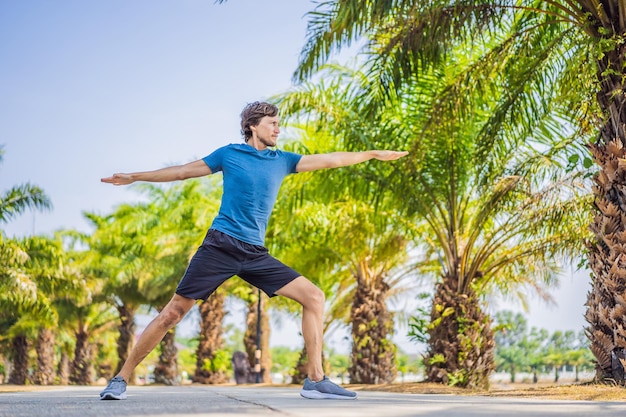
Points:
(325, 389)
(116, 390)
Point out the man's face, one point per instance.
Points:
(267, 130)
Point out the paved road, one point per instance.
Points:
(233, 401)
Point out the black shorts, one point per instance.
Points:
(221, 256)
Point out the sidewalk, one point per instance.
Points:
(240, 401)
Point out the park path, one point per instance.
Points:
(245, 401)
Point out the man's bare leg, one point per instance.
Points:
(316, 386)
(169, 317)
(312, 300)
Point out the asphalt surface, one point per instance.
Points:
(240, 401)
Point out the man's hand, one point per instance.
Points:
(389, 155)
(118, 179)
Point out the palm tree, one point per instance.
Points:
(354, 234)
(303, 244)
(32, 287)
(367, 244)
(488, 215)
(310, 258)
(46, 273)
(570, 49)
(256, 338)
(578, 358)
(118, 257)
(495, 219)
(534, 346)
(90, 321)
(18, 292)
(18, 297)
(510, 333)
(50, 268)
(210, 339)
(21, 197)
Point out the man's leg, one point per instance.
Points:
(171, 315)
(312, 299)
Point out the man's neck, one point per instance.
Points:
(256, 144)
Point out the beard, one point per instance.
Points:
(267, 141)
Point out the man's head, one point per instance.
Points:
(252, 115)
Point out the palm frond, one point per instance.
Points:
(21, 197)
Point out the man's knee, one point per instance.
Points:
(305, 293)
(315, 300)
(172, 314)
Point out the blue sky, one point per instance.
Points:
(90, 88)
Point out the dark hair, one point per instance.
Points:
(252, 114)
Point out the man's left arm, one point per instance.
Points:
(342, 159)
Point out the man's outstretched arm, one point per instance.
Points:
(179, 172)
(342, 159)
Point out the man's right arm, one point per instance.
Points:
(174, 173)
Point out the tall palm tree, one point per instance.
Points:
(482, 211)
(32, 288)
(572, 48)
(210, 339)
(495, 219)
(304, 244)
(119, 258)
(89, 322)
(18, 291)
(50, 267)
(256, 337)
(357, 235)
(310, 259)
(365, 248)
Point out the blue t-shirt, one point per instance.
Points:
(252, 179)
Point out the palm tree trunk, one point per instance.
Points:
(250, 340)
(45, 374)
(126, 339)
(63, 369)
(461, 343)
(211, 318)
(19, 371)
(81, 370)
(606, 302)
(300, 371)
(166, 371)
(373, 353)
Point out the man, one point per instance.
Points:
(252, 175)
